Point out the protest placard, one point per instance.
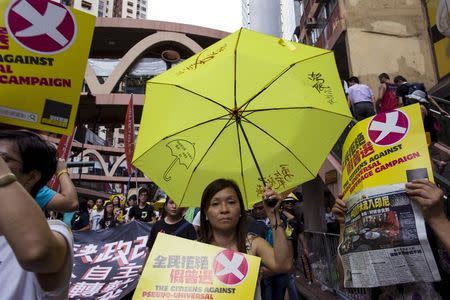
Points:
(44, 47)
(179, 268)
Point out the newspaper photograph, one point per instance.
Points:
(385, 240)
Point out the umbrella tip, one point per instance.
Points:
(287, 44)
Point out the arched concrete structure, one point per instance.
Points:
(132, 55)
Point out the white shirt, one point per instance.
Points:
(196, 221)
(16, 283)
(360, 93)
(95, 218)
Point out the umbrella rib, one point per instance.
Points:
(204, 155)
(251, 111)
(235, 66)
(195, 93)
(278, 76)
(240, 158)
(194, 126)
(252, 153)
(281, 144)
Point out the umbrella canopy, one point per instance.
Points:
(251, 107)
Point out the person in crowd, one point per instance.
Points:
(109, 217)
(118, 209)
(143, 211)
(36, 255)
(430, 199)
(66, 200)
(90, 204)
(132, 201)
(172, 222)
(80, 220)
(387, 98)
(330, 219)
(258, 223)
(429, 121)
(190, 213)
(273, 285)
(96, 214)
(360, 99)
(222, 223)
(196, 222)
(402, 89)
(403, 95)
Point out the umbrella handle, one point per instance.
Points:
(166, 173)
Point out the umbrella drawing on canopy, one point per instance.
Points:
(184, 153)
(251, 107)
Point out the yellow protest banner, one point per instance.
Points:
(44, 47)
(386, 149)
(179, 268)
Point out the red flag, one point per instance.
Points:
(63, 151)
(129, 135)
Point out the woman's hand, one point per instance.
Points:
(270, 211)
(339, 209)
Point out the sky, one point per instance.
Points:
(217, 14)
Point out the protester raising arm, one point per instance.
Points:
(430, 197)
(279, 258)
(36, 254)
(67, 199)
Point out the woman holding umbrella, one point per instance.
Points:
(222, 223)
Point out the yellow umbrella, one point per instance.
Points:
(251, 107)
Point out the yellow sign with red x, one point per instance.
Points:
(179, 268)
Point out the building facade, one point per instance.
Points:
(134, 9)
(88, 6)
(372, 37)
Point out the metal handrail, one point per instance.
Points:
(447, 102)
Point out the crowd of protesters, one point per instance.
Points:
(273, 233)
(391, 95)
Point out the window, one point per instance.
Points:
(129, 10)
(86, 4)
(130, 4)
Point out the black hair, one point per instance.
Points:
(399, 78)
(213, 188)
(132, 197)
(82, 205)
(383, 76)
(143, 190)
(35, 153)
(353, 79)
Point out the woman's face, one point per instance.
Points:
(109, 208)
(116, 201)
(90, 203)
(171, 208)
(223, 211)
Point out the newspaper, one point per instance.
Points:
(385, 241)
